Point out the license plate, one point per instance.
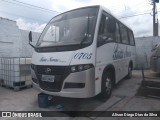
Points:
(48, 78)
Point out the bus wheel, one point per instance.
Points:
(129, 72)
(107, 85)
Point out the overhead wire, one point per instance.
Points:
(136, 15)
(133, 15)
(13, 14)
(35, 6)
(158, 10)
(28, 6)
(138, 5)
(132, 10)
(18, 3)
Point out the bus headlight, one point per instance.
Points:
(78, 68)
(73, 69)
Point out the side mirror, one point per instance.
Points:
(30, 36)
(30, 39)
(111, 25)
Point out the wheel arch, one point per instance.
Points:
(110, 68)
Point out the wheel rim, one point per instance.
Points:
(108, 85)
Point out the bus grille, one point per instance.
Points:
(58, 71)
(50, 70)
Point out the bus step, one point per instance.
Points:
(148, 87)
(152, 96)
(151, 84)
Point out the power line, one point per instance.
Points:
(137, 13)
(158, 10)
(132, 10)
(134, 15)
(55, 11)
(35, 6)
(13, 14)
(29, 6)
(138, 5)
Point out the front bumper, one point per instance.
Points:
(86, 77)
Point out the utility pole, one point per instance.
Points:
(154, 6)
(155, 21)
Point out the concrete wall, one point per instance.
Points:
(26, 49)
(9, 38)
(13, 41)
(144, 46)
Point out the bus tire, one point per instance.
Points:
(129, 75)
(106, 87)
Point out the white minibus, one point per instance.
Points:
(82, 53)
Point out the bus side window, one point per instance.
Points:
(102, 25)
(124, 34)
(117, 33)
(104, 35)
(131, 38)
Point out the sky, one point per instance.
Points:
(35, 18)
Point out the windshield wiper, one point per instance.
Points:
(87, 34)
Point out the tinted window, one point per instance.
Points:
(124, 35)
(131, 38)
(70, 28)
(104, 34)
(117, 34)
(103, 31)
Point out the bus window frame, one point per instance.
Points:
(118, 22)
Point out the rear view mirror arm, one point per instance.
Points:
(31, 45)
(30, 39)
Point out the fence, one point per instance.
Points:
(15, 72)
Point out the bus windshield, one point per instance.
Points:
(70, 28)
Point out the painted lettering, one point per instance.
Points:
(83, 56)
